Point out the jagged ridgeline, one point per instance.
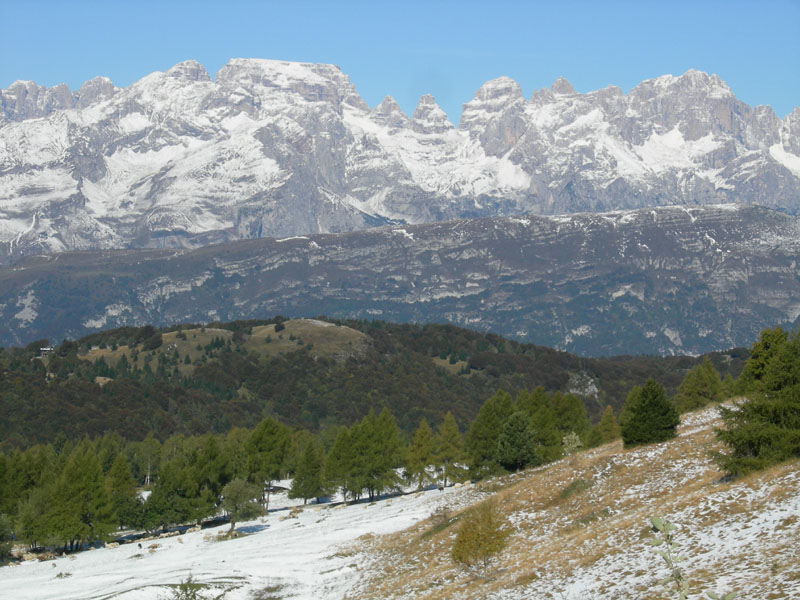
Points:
(309, 373)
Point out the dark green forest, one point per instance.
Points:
(231, 381)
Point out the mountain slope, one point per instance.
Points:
(591, 543)
(270, 148)
(659, 281)
(581, 529)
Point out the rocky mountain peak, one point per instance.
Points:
(190, 70)
(429, 118)
(389, 113)
(312, 82)
(491, 99)
(27, 100)
(94, 90)
(562, 86)
(498, 91)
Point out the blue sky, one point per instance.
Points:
(406, 49)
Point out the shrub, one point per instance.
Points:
(647, 416)
(482, 536)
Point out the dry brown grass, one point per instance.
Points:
(558, 536)
(321, 339)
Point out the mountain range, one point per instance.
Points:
(269, 148)
(669, 280)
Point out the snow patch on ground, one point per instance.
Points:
(310, 557)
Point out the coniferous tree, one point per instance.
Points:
(121, 489)
(449, 450)
(515, 446)
(647, 416)
(544, 430)
(607, 430)
(384, 452)
(484, 432)
(308, 481)
(570, 414)
(80, 509)
(339, 466)
(701, 386)
(421, 454)
(175, 498)
(32, 524)
(765, 428)
(483, 534)
(267, 449)
(761, 354)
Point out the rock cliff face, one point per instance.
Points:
(660, 281)
(269, 148)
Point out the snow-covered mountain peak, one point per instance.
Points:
(277, 148)
(491, 99)
(562, 86)
(691, 83)
(312, 82)
(389, 113)
(499, 90)
(190, 70)
(94, 90)
(428, 118)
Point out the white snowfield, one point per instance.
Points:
(310, 556)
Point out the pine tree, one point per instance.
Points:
(544, 431)
(761, 354)
(515, 446)
(421, 454)
(384, 453)
(765, 429)
(570, 414)
(121, 488)
(449, 450)
(647, 416)
(340, 464)
(485, 431)
(701, 386)
(607, 430)
(307, 482)
(267, 450)
(81, 510)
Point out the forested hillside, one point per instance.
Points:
(194, 379)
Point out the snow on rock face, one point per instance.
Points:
(428, 118)
(389, 113)
(190, 70)
(283, 148)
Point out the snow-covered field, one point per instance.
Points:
(310, 556)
